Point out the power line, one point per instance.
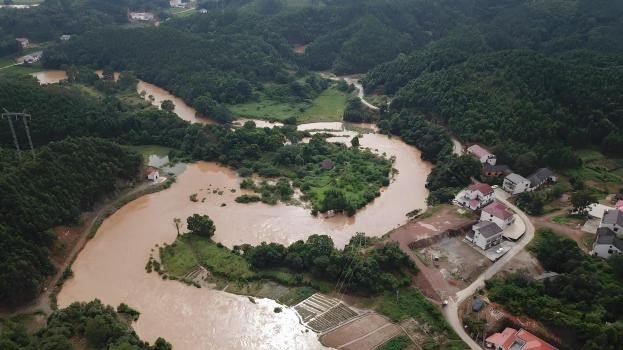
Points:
(10, 116)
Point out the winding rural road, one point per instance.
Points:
(451, 310)
(360, 93)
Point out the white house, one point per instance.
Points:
(482, 154)
(515, 183)
(142, 16)
(540, 177)
(609, 238)
(203, 11)
(23, 42)
(65, 37)
(607, 243)
(485, 235)
(476, 196)
(153, 175)
(500, 214)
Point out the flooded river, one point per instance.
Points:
(183, 110)
(112, 265)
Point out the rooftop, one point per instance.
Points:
(539, 176)
(613, 217)
(606, 236)
(478, 151)
(516, 178)
(479, 186)
(499, 210)
(487, 228)
(511, 339)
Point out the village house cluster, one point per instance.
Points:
(498, 225)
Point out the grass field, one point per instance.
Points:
(190, 250)
(181, 12)
(598, 167)
(148, 150)
(409, 302)
(328, 106)
(399, 342)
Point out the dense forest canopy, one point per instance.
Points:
(93, 324)
(65, 178)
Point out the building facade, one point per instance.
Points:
(485, 234)
(476, 196)
(515, 184)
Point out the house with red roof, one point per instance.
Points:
(483, 154)
(152, 174)
(499, 213)
(512, 339)
(476, 196)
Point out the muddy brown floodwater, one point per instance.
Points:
(111, 266)
(183, 110)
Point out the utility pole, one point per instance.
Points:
(25, 117)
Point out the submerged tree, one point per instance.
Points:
(201, 225)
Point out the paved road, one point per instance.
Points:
(451, 310)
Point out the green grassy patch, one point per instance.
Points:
(566, 219)
(190, 250)
(399, 342)
(410, 303)
(148, 150)
(328, 106)
(598, 167)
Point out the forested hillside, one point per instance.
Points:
(65, 178)
(532, 79)
(80, 324)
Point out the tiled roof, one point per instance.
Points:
(613, 217)
(606, 236)
(478, 151)
(539, 176)
(483, 188)
(487, 228)
(499, 210)
(510, 338)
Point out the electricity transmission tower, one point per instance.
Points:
(11, 117)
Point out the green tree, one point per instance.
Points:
(167, 105)
(580, 201)
(201, 225)
(355, 141)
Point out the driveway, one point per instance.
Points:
(451, 310)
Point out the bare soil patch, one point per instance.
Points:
(367, 332)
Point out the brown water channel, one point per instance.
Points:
(112, 265)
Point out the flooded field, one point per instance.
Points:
(112, 265)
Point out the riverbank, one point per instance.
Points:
(91, 221)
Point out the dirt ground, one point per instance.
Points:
(68, 237)
(459, 264)
(523, 262)
(365, 333)
(571, 230)
(432, 281)
(444, 218)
